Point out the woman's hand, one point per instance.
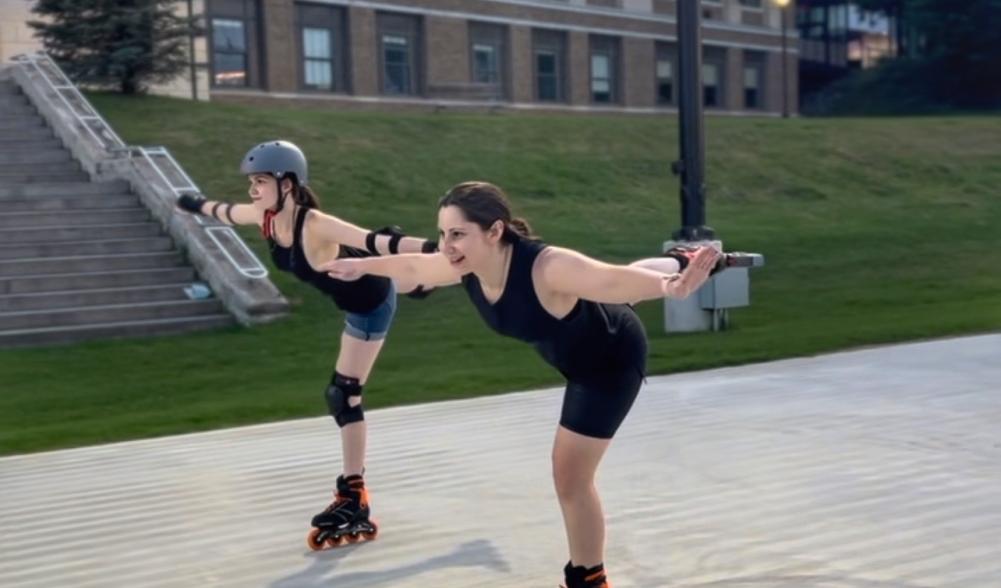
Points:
(346, 270)
(683, 284)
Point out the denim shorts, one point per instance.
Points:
(373, 325)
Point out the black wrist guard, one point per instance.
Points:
(191, 203)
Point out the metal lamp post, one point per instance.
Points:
(783, 16)
(708, 309)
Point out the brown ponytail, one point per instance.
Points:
(305, 197)
(520, 227)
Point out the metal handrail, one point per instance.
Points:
(57, 81)
(61, 85)
(216, 230)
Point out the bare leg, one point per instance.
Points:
(356, 360)
(575, 461)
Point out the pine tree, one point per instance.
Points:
(123, 44)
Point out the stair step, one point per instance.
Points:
(16, 109)
(38, 168)
(134, 329)
(8, 99)
(34, 156)
(73, 233)
(113, 313)
(8, 88)
(98, 297)
(29, 145)
(77, 218)
(63, 189)
(71, 248)
(95, 280)
(14, 125)
(16, 136)
(68, 203)
(19, 177)
(41, 266)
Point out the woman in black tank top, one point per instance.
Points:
(574, 310)
(300, 236)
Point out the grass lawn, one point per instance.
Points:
(875, 230)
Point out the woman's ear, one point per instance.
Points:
(287, 185)
(496, 231)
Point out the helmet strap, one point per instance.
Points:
(281, 196)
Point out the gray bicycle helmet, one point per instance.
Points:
(276, 158)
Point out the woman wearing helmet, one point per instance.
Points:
(301, 238)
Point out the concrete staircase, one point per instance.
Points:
(79, 259)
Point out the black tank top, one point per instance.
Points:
(593, 340)
(360, 296)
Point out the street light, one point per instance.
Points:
(782, 4)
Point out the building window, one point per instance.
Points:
(322, 48)
(549, 50)
(396, 52)
(665, 73)
(754, 79)
(547, 76)
(399, 47)
(488, 48)
(233, 41)
(229, 52)
(604, 66)
(755, 4)
(711, 92)
(752, 86)
(317, 58)
(486, 66)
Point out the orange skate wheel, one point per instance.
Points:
(335, 542)
(312, 539)
(351, 538)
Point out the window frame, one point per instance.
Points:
(610, 48)
(664, 52)
(246, 12)
(336, 27)
(553, 42)
(410, 28)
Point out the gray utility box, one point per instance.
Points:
(728, 289)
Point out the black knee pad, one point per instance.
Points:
(340, 389)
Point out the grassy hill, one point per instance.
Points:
(875, 231)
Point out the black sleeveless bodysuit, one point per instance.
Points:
(360, 296)
(599, 348)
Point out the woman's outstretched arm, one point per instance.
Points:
(224, 212)
(427, 269)
(570, 272)
(385, 241)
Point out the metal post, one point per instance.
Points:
(191, 53)
(691, 166)
(688, 315)
(785, 63)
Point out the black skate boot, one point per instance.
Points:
(346, 520)
(581, 577)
